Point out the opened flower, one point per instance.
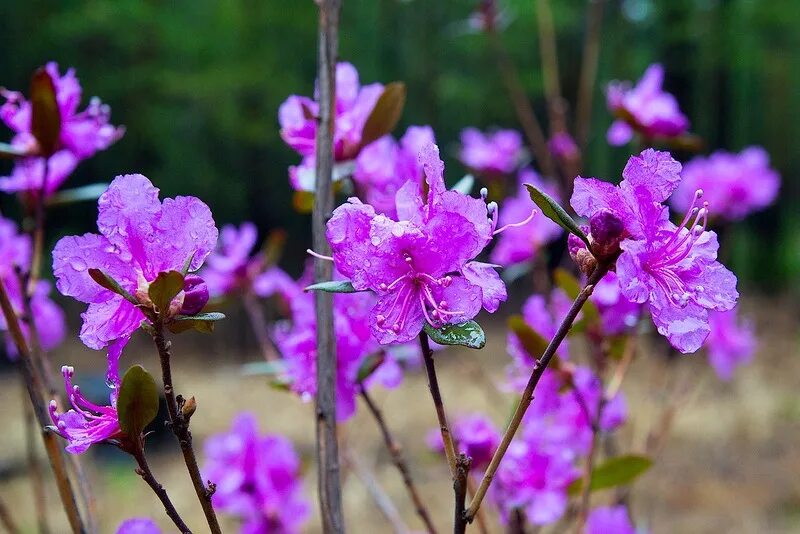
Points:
(418, 265)
(492, 154)
(674, 269)
(730, 344)
(607, 519)
(139, 238)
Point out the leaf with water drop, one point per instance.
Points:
(468, 334)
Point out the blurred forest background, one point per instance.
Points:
(198, 85)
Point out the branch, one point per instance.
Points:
(552, 85)
(6, 520)
(433, 386)
(147, 475)
(588, 76)
(34, 468)
(259, 324)
(463, 463)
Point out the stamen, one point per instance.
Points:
(528, 219)
(317, 255)
(491, 209)
(484, 194)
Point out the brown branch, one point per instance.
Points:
(259, 325)
(588, 75)
(180, 427)
(147, 475)
(7, 520)
(399, 461)
(463, 463)
(527, 395)
(433, 386)
(328, 479)
(480, 517)
(35, 468)
(552, 86)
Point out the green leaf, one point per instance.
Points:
(164, 288)
(369, 365)
(78, 194)
(554, 212)
(385, 114)
(9, 151)
(202, 322)
(187, 265)
(45, 114)
(334, 286)
(533, 343)
(469, 334)
(112, 285)
(618, 471)
(137, 404)
(464, 185)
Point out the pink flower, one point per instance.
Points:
(735, 184)
(475, 435)
(645, 109)
(354, 103)
(730, 344)
(674, 269)
(419, 266)
(492, 154)
(138, 525)
(257, 478)
(139, 238)
(384, 166)
(563, 146)
(87, 423)
(618, 315)
(522, 243)
(82, 133)
(609, 519)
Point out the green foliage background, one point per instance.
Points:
(198, 85)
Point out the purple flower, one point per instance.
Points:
(618, 315)
(735, 184)
(521, 243)
(730, 344)
(139, 238)
(384, 166)
(563, 146)
(138, 525)
(354, 103)
(674, 269)
(419, 266)
(475, 435)
(492, 154)
(645, 109)
(87, 423)
(257, 478)
(609, 519)
(82, 134)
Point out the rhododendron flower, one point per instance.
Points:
(674, 269)
(82, 134)
(257, 478)
(87, 423)
(730, 344)
(385, 166)
(617, 314)
(563, 146)
(475, 435)
(609, 519)
(492, 154)
(646, 109)
(354, 103)
(15, 255)
(139, 238)
(519, 243)
(419, 266)
(138, 525)
(232, 267)
(736, 185)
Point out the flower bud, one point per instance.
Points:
(607, 230)
(195, 295)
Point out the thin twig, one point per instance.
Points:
(550, 73)
(259, 324)
(527, 395)
(180, 427)
(588, 76)
(480, 517)
(433, 386)
(34, 467)
(7, 520)
(147, 475)
(463, 463)
(399, 461)
(516, 523)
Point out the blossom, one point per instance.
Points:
(617, 314)
(48, 318)
(645, 108)
(138, 525)
(82, 134)
(491, 154)
(674, 269)
(384, 166)
(735, 184)
(87, 423)
(519, 243)
(354, 103)
(609, 519)
(139, 238)
(475, 435)
(418, 265)
(730, 344)
(563, 146)
(257, 478)
(233, 267)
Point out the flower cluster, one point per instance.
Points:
(420, 264)
(82, 134)
(475, 435)
(618, 315)
(492, 155)
(645, 109)
(730, 344)
(139, 238)
(257, 478)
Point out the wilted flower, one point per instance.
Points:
(419, 266)
(257, 478)
(138, 525)
(735, 184)
(730, 344)
(646, 109)
(609, 519)
(492, 154)
(139, 238)
(672, 268)
(475, 435)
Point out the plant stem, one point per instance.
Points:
(527, 395)
(147, 475)
(399, 461)
(180, 427)
(433, 386)
(328, 476)
(35, 468)
(552, 85)
(463, 463)
(33, 384)
(6, 520)
(259, 324)
(480, 517)
(588, 75)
